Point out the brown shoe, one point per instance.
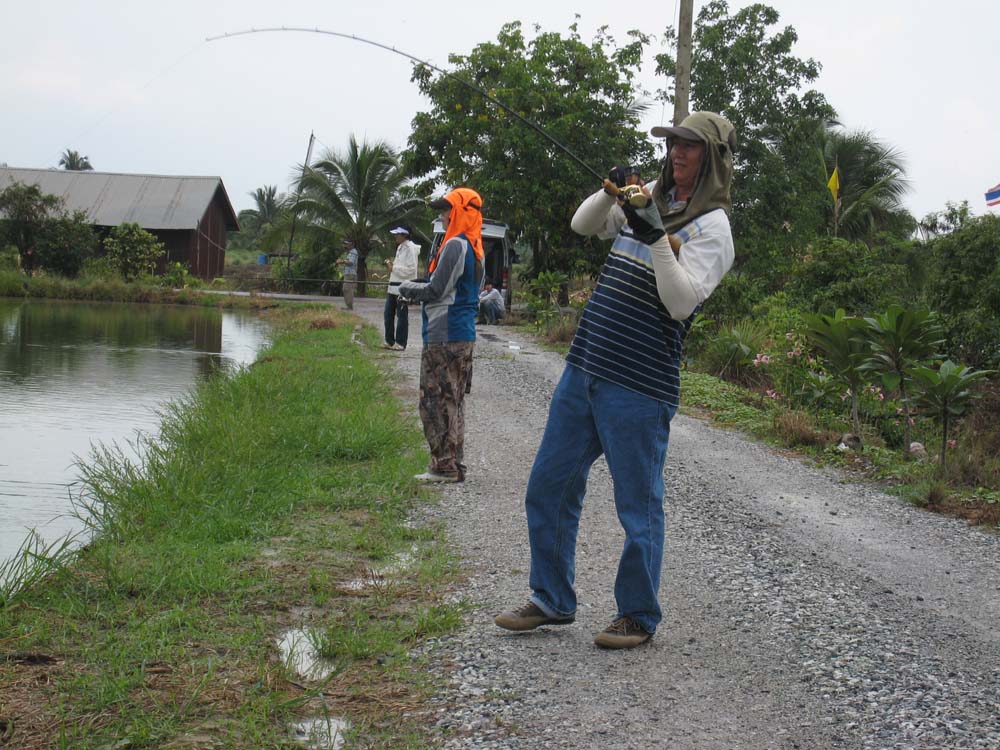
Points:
(622, 633)
(529, 617)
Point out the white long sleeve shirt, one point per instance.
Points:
(683, 282)
(404, 265)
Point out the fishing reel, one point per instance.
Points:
(633, 195)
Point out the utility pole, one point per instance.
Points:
(682, 78)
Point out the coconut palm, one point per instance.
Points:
(270, 207)
(73, 161)
(872, 183)
(355, 195)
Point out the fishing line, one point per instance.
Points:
(163, 71)
(565, 149)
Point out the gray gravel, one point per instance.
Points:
(802, 610)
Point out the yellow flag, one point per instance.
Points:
(834, 183)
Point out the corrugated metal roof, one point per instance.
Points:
(109, 199)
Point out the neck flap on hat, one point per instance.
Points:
(711, 191)
(466, 218)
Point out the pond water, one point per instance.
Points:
(76, 374)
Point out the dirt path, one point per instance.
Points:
(801, 610)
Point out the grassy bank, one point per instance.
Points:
(14, 284)
(267, 497)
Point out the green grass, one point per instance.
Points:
(815, 434)
(17, 285)
(264, 494)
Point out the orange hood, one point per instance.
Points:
(466, 218)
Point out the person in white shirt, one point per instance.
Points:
(491, 307)
(402, 268)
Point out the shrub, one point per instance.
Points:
(132, 251)
(799, 428)
(12, 284)
(98, 268)
(66, 243)
(732, 352)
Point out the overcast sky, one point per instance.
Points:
(136, 88)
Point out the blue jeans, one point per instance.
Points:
(590, 416)
(396, 318)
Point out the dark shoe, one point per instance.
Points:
(622, 633)
(529, 617)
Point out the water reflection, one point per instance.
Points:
(75, 374)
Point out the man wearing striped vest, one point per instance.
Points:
(621, 385)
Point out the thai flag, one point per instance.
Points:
(993, 196)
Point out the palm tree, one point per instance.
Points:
(872, 183)
(353, 195)
(271, 207)
(74, 162)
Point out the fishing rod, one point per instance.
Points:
(562, 147)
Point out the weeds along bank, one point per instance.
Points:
(268, 495)
(110, 289)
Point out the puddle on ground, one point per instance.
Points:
(376, 578)
(320, 734)
(298, 653)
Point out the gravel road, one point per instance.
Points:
(802, 610)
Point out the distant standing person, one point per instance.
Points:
(349, 264)
(621, 385)
(491, 307)
(401, 268)
(450, 302)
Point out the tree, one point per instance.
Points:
(25, 209)
(963, 284)
(132, 251)
(872, 184)
(355, 194)
(65, 243)
(271, 208)
(73, 161)
(581, 94)
(745, 70)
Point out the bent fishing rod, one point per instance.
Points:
(537, 128)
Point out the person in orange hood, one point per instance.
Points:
(450, 299)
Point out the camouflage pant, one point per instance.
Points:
(445, 370)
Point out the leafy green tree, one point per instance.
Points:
(834, 273)
(354, 194)
(841, 343)
(66, 242)
(745, 69)
(901, 340)
(74, 161)
(25, 210)
(132, 251)
(963, 284)
(946, 394)
(582, 94)
(872, 185)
